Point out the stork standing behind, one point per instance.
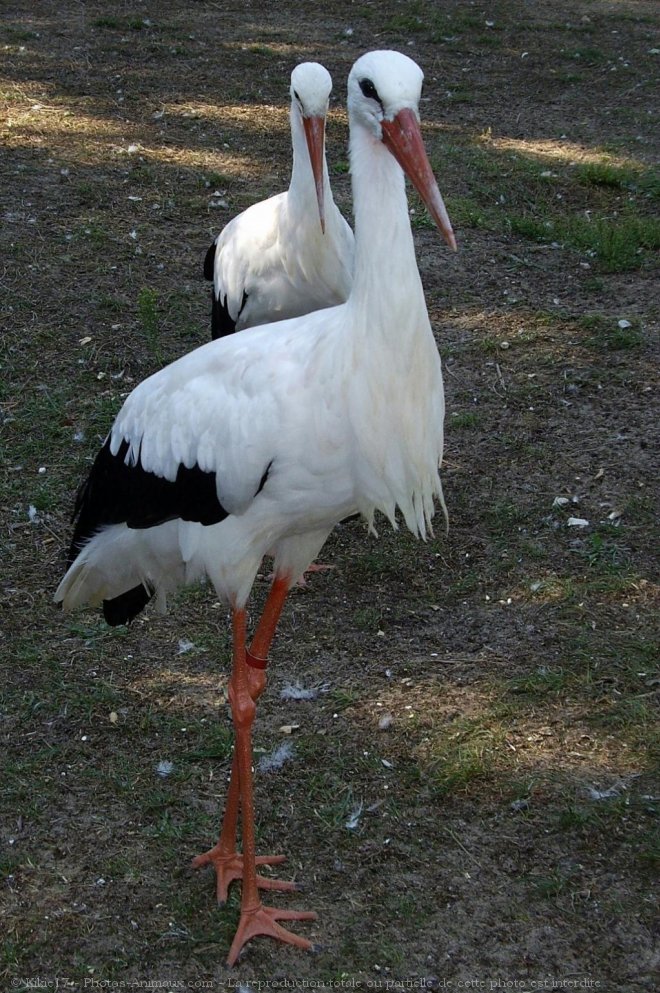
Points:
(261, 442)
(293, 253)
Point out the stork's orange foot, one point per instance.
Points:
(314, 567)
(263, 921)
(229, 867)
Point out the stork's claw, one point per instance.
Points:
(229, 867)
(263, 920)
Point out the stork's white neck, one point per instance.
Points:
(386, 280)
(302, 191)
(394, 393)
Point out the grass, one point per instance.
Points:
(456, 28)
(607, 333)
(591, 56)
(550, 887)
(405, 23)
(604, 173)
(110, 304)
(93, 232)
(218, 180)
(605, 552)
(465, 420)
(334, 813)
(503, 516)
(147, 311)
(120, 23)
(649, 854)
(618, 245)
(143, 175)
(476, 754)
(263, 50)
(517, 193)
(540, 684)
(460, 763)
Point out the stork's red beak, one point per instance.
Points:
(403, 138)
(315, 137)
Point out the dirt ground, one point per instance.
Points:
(471, 794)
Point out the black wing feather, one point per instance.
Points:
(209, 262)
(222, 323)
(119, 493)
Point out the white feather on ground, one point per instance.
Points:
(273, 761)
(294, 691)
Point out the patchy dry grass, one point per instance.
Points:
(502, 822)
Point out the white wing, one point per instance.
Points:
(231, 407)
(271, 264)
(247, 248)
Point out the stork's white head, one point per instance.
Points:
(380, 84)
(311, 85)
(384, 89)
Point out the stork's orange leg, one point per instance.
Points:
(255, 918)
(228, 863)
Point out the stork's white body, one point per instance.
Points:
(273, 261)
(303, 422)
(261, 442)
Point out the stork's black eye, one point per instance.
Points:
(369, 90)
(295, 93)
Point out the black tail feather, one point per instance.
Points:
(123, 608)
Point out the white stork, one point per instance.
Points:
(292, 253)
(259, 443)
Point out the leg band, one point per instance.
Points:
(254, 662)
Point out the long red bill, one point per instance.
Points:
(315, 137)
(403, 138)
